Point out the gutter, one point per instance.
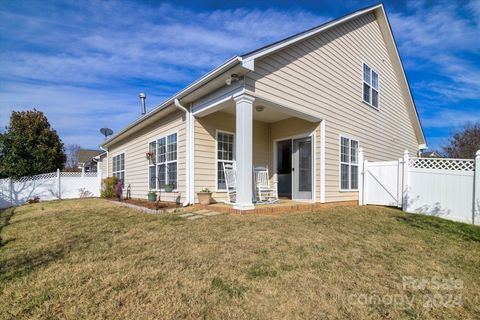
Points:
(188, 196)
(190, 88)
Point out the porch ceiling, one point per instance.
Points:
(271, 112)
(268, 114)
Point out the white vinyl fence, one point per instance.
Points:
(447, 188)
(49, 186)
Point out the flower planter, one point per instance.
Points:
(204, 198)
(152, 197)
(168, 188)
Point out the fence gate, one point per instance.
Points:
(382, 183)
(447, 188)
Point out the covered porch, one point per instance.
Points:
(254, 131)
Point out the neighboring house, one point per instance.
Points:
(431, 154)
(303, 106)
(85, 159)
(101, 162)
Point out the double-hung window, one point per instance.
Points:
(348, 164)
(119, 167)
(371, 87)
(162, 168)
(225, 154)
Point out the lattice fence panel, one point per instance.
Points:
(49, 186)
(37, 177)
(90, 174)
(71, 174)
(442, 164)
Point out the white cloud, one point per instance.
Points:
(74, 112)
(83, 63)
(438, 38)
(141, 45)
(473, 9)
(450, 118)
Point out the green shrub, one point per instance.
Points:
(108, 187)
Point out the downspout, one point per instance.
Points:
(192, 156)
(187, 160)
(106, 150)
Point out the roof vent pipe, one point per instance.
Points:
(142, 97)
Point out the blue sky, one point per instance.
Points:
(83, 63)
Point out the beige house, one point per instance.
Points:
(303, 106)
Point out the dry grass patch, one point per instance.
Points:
(92, 259)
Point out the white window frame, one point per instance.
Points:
(218, 160)
(349, 163)
(114, 172)
(166, 162)
(371, 88)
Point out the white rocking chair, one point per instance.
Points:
(263, 192)
(230, 181)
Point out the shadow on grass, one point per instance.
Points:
(439, 225)
(25, 263)
(231, 289)
(5, 217)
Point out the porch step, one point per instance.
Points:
(195, 217)
(212, 213)
(179, 212)
(186, 215)
(203, 211)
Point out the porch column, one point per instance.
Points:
(244, 146)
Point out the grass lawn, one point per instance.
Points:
(93, 259)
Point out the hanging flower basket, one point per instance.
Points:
(150, 156)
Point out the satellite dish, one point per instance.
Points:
(106, 132)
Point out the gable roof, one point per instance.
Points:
(431, 154)
(247, 61)
(84, 155)
(275, 46)
(383, 20)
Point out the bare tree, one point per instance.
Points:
(72, 157)
(464, 143)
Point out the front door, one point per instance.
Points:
(302, 168)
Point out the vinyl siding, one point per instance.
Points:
(136, 165)
(205, 149)
(322, 75)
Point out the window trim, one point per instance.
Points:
(350, 138)
(369, 103)
(217, 131)
(124, 165)
(164, 135)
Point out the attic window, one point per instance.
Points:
(371, 88)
